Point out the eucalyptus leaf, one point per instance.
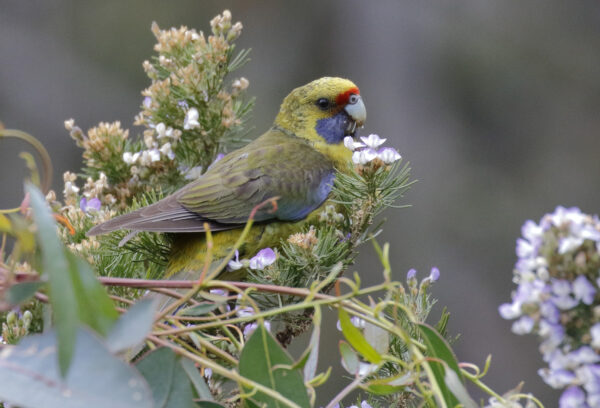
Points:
(260, 356)
(196, 379)
(20, 292)
(199, 309)
(132, 327)
(94, 306)
(438, 347)
(30, 376)
(356, 339)
(170, 385)
(350, 360)
(310, 367)
(377, 337)
(54, 263)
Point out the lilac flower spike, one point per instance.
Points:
(262, 259)
(92, 205)
(557, 299)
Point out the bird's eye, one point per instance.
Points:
(323, 103)
(353, 99)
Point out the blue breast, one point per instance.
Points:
(294, 209)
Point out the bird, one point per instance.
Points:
(294, 162)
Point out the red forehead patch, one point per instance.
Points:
(342, 99)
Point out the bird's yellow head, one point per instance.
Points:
(323, 111)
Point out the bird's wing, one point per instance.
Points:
(274, 165)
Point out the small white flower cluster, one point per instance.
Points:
(156, 141)
(557, 273)
(368, 150)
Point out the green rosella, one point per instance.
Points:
(295, 160)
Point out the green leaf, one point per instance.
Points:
(459, 389)
(438, 347)
(377, 337)
(197, 380)
(383, 389)
(30, 377)
(55, 265)
(170, 385)
(310, 365)
(356, 339)
(350, 360)
(199, 309)
(20, 292)
(132, 327)
(260, 356)
(94, 306)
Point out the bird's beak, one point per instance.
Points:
(357, 111)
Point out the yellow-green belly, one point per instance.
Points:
(188, 254)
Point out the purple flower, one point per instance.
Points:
(434, 275)
(584, 290)
(595, 333)
(523, 326)
(584, 355)
(510, 311)
(550, 312)
(147, 102)
(572, 397)
(262, 259)
(249, 328)
(92, 205)
(556, 378)
(183, 104)
(411, 274)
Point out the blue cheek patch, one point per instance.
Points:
(333, 129)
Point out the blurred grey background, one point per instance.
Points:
(495, 104)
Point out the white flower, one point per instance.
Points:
(351, 144)
(388, 155)
(373, 141)
(363, 156)
(163, 131)
(235, 264)
(167, 150)
(191, 119)
(130, 158)
(71, 188)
